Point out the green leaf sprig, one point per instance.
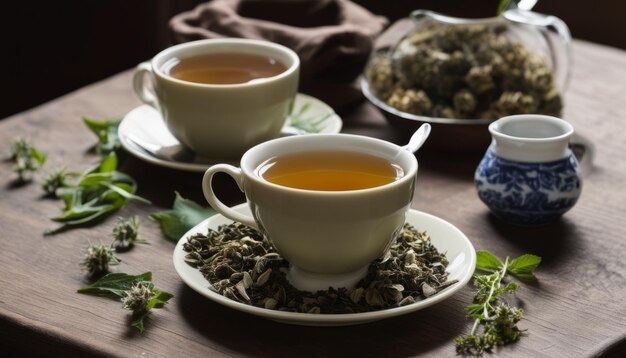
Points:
(98, 192)
(184, 215)
(26, 157)
(137, 293)
(502, 6)
(106, 131)
(314, 124)
(496, 317)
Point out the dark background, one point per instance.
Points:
(50, 48)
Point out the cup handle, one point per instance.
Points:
(140, 87)
(215, 203)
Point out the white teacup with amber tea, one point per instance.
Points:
(221, 97)
(330, 204)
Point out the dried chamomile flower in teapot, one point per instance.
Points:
(463, 71)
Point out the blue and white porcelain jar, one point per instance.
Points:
(529, 176)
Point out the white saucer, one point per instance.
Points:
(446, 238)
(145, 124)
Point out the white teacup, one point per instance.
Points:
(329, 237)
(220, 121)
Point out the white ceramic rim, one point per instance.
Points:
(561, 124)
(158, 60)
(249, 164)
(465, 246)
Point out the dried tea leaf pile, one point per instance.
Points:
(242, 265)
(464, 71)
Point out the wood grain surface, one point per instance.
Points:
(575, 310)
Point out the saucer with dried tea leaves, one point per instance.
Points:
(459, 253)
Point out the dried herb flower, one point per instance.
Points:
(137, 294)
(126, 233)
(137, 298)
(141, 298)
(242, 265)
(463, 71)
(26, 157)
(98, 258)
(56, 179)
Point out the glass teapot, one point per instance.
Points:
(449, 69)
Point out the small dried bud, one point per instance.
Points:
(26, 157)
(54, 180)
(98, 258)
(464, 101)
(515, 102)
(444, 112)
(411, 101)
(125, 232)
(551, 103)
(138, 297)
(480, 79)
(379, 74)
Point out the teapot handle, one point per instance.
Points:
(561, 51)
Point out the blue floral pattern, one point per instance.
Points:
(528, 194)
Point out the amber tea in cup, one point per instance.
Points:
(329, 170)
(223, 68)
(220, 97)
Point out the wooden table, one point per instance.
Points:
(576, 309)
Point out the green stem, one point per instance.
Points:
(495, 284)
(476, 323)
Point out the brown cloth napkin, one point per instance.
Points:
(333, 38)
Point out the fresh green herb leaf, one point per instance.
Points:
(184, 215)
(487, 261)
(502, 6)
(106, 131)
(138, 323)
(99, 191)
(26, 157)
(115, 285)
(525, 264)
(108, 164)
(160, 297)
(311, 124)
(524, 276)
(489, 310)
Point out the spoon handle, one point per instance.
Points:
(418, 138)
